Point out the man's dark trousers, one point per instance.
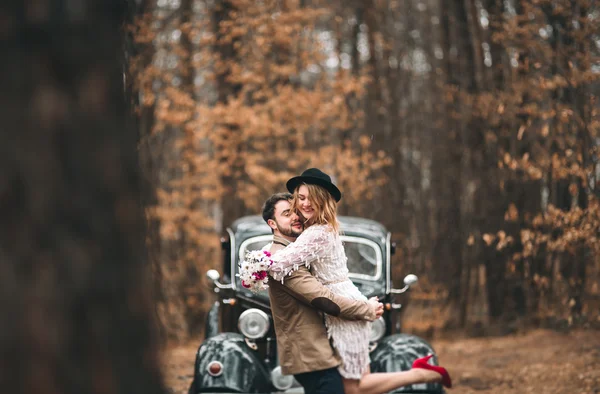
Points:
(326, 381)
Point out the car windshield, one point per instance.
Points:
(364, 256)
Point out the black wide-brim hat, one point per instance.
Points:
(314, 176)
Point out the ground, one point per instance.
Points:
(537, 362)
(541, 361)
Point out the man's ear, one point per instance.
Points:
(272, 224)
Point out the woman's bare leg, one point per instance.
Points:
(351, 386)
(378, 383)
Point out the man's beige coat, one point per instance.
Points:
(297, 306)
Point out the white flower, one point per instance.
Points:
(254, 267)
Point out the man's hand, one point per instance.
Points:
(376, 306)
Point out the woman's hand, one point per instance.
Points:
(376, 306)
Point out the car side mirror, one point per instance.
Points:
(214, 276)
(410, 280)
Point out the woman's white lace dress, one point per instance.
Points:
(320, 248)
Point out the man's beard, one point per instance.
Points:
(289, 232)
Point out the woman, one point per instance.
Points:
(320, 248)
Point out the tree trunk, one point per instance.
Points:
(74, 302)
(232, 206)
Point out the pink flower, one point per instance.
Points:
(247, 286)
(260, 275)
(268, 253)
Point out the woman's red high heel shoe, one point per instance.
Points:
(422, 363)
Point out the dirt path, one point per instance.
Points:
(541, 362)
(538, 362)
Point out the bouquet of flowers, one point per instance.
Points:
(254, 270)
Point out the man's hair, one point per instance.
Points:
(268, 210)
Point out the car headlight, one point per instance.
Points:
(280, 381)
(377, 330)
(253, 323)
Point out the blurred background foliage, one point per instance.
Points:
(469, 129)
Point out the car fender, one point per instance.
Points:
(397, 353)
(243, 371)
(211, 327)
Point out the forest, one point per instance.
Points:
(469, 129)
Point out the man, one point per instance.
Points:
(302, 344)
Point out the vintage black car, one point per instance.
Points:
(239, 352)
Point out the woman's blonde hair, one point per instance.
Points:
(322, 202)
